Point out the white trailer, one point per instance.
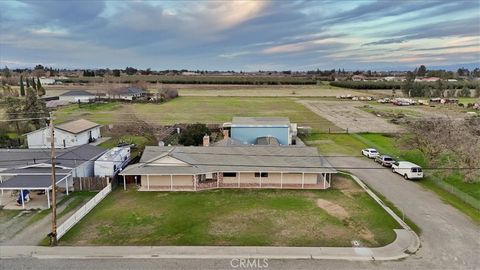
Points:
(110, 163)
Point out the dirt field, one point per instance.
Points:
(346, 115)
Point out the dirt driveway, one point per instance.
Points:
(345, 115)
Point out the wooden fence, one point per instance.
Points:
(90, 183)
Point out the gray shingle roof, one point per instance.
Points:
(77, 93)
(129, 91)
(246, 159)
(16, 158)
(30, 181)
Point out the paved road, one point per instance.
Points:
(449, 239)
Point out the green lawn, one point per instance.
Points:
(236, 217)
(103, 113)
(139, 141)
(345, 144)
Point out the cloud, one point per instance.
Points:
(242, 35)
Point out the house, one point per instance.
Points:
(30, 169)
(113, 161)
(69, 134)
(358, 78)
(47, 81)
(249, 130)
(193, 168)
(127, 93)
(76, 96)
(427, 79)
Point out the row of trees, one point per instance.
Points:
(438, 89)
(30, 82)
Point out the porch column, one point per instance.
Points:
(124, 183)
(48, 197)
(260, 179)
(23, 199)
(195, 182)
(148, 182)
(1, 181)
(281, 180)
(171, 182)
(239, 179)
(324, 181)
(218, 180)
(66, 185)
(303, 180)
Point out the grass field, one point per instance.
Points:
(237, 217)
(197, 109)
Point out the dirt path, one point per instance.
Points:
(345, 115)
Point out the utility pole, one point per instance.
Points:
(53, 234)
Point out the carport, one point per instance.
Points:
(41, 182)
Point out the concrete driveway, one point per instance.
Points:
(449, 239)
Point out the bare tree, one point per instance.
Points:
(451, 142)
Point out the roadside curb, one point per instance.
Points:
(392, 251)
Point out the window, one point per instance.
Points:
(263, 174)
(229, 174)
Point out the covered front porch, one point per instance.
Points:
(271, 179)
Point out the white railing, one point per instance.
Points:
(80, 213)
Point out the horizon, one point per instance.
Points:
(241, 35)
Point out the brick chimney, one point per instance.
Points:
(225, 133)
(206, 140)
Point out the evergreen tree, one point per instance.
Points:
(34, 85)
(14, 110)
(22, 87)
(35, 108)
(40, 89)
(28, 82)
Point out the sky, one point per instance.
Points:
(240, 35)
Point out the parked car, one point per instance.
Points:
(407, 169)
(384, 160)
(370, 152)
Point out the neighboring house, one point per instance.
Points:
(113, 161)
(69, 134)
(248, 130)
(47, 81)
(427, 79)
(79, 159)
(30, 169)
(358, 78)
(196, 168)
(76, 96)
(127, 93)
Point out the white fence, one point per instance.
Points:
(80, 213)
